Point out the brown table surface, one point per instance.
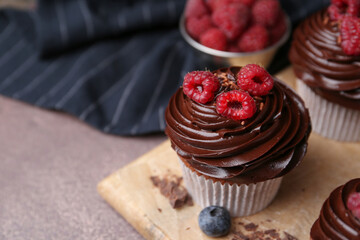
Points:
(50, 164)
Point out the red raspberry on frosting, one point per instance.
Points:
(255, 79)
(196, 26)
(353, 204)
(341, 8)
(335, 13)
(195, 8)
(237, 105)
(201, 86)
(254, 39)
(214, 38)
(231, 19)
(350, 35)
(266, 12)
(353, 8)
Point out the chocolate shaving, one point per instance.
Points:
(254, 234)
(251, 227)
(238, 235)
(273, 234)
(170, 187)
(261, 106)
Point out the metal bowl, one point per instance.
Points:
(218, 58)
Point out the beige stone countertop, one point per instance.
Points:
(50, 166)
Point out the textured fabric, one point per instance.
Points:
(113, 64)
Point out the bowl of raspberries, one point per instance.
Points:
(235, 32)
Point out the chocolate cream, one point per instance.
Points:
(266, 146)
(336, 221)
(320, 62)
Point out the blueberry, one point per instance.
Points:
(215, 221)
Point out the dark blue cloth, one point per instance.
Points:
(113, 64)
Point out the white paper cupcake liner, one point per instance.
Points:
(239, 200)
(329, 119)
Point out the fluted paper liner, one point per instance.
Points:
(239, 200)
(330, 119)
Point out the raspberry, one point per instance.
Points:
(334, 13)
(195, 8)
(353, 7)
(248, 2)
(231, 19)
(266, 12)
(254, 39)
(201, 86)
(353, 204)
(338, 3)
(215, 4)
(196, 26)
(350, 35)
(339, 8)
(278, 31)
(233, 48)
(255, 79)
(214, 38)
(237, 105)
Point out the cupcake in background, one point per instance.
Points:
(340, 214)
(237, 131)
(325, 54)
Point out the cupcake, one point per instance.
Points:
(236, 132)
(325, 54)
(340, 215)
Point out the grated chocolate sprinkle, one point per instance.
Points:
(170, 188)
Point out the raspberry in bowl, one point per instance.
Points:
(235, 32)
(237, 131)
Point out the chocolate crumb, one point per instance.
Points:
(159, 209)
(251, 227)
(170, 187)
(188, 228)
(258, 98)
(272, 232)
(254, 234)
(289, 236)
(268, 220)
(261, 106)
(238, 235)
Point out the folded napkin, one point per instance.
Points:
(113, 64)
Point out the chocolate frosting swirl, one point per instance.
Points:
(266, 146)
(336, 221)
(320, 62)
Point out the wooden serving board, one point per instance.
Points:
(327, 165)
